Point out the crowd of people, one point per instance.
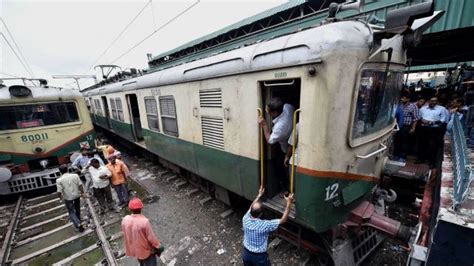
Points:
(423, 123)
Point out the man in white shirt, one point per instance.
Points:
(433, 123)
(101, 185)
(282, 115)
(70, 189)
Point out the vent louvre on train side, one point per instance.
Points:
(213, 132)
(211, 98)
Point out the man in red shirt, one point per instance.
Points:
(140, 240)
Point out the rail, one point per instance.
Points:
(260, 129)
(462, 167)
(293, 149)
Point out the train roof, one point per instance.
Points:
(304, 47)
(38, 93)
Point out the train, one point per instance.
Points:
(40, 128)
(344, 78)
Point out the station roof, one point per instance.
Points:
(457, 23)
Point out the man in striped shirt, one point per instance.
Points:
(256, 231)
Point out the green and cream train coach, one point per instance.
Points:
(343, 76)
(39, 128)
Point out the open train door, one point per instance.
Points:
(135, 116)
(107, 112)
(276, 175)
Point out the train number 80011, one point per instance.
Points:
(35, 137)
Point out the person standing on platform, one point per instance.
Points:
(282, 115)
(257, 230)
(70, 190)
(101, 185)
(411, 115)
(119, 178)
(139, 238)
(433, 118)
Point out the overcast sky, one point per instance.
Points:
(66, 37)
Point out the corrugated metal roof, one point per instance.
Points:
(436, 67)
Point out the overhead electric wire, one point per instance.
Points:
(158, 29)
(17, 56)
(30, 71)
(120, 35)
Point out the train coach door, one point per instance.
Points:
(135, 116)
(277, 176)
(106, 110)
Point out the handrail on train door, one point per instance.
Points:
(293, 148)
(260, 114)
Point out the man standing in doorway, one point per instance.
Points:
(282, 115)
(119, 178)
(257, 230)
(140, 240)
(100, 184)
(70, 190)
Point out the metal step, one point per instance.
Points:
(278, 204)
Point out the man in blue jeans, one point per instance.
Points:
(70, 188)
(256, 231)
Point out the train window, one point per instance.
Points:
(98, 107)
(168, 115)
(113, 108)
(118, 105)
(37, 115)
(152, 113)
(375, 108)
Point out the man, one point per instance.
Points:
(100, 184)
(256, 231)
(70, 190)
(119, 178)
(85, 170)
(408, 124)
(139, 238)
(282, 115)
(420, 102)
(433, 118)
(82, 160)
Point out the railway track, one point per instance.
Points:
(37, 231)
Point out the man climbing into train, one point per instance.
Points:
(119, 178)
(282, 120)
(257, 230)
(101, 185)
(70, 190)
(139, 238)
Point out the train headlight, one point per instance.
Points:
(38, 149)
(5, 174)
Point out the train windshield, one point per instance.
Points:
(376, 106)
(37, 115)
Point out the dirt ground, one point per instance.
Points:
(195, 234)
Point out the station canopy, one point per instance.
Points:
(448, 41)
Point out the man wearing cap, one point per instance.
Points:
(70, 190)
(139, 238)
(119, 178)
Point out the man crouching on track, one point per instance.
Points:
(101, 185)
(70, 188)
(256, 231)
(140, 240)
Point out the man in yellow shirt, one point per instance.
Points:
(119, 178)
